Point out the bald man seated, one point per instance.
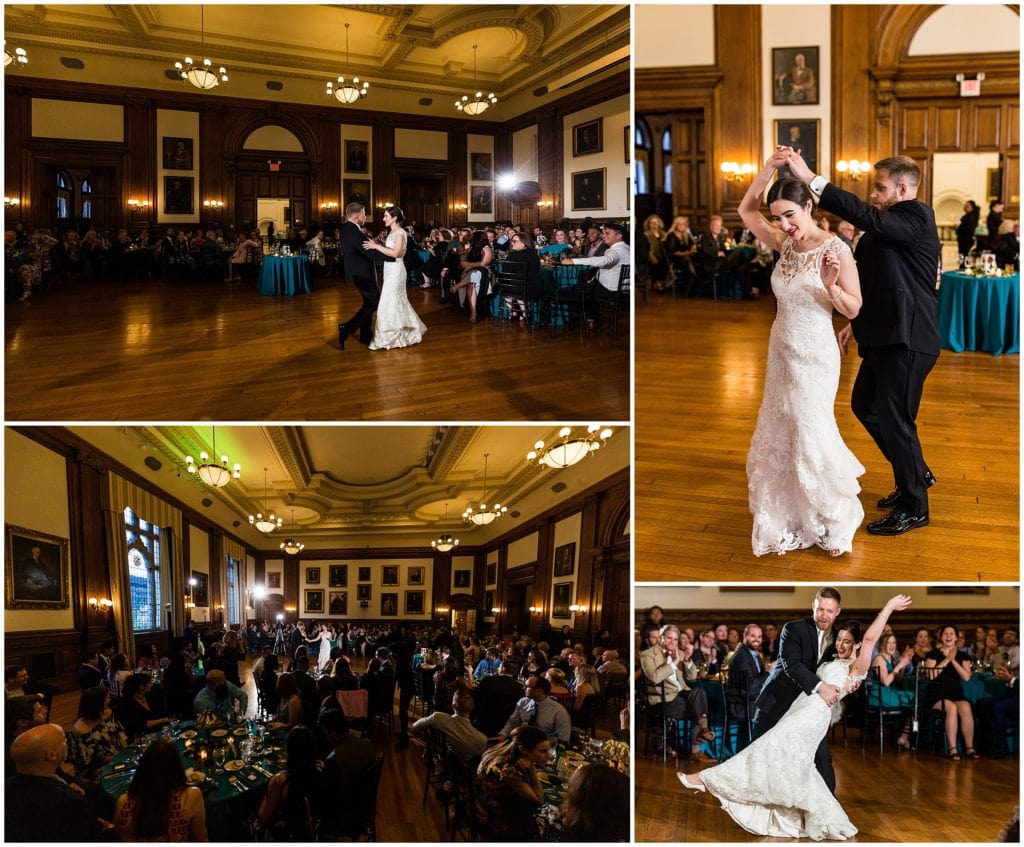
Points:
(220, 696)
(40, 806)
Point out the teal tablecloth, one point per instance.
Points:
(982, 686)
(285, 275)
(980, 313)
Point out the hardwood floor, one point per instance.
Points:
(914, 798)
(699, 374)
(159, 351)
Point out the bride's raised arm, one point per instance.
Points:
(750, 205)
(873, 632)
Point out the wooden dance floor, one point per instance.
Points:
(903, 797)
(216, 351)
(699, 375)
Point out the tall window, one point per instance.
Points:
(65, 195)
(86, 199)
(641, 156)
(232, 572)
(666, 152)
(143, 540)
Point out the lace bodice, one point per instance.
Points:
(837, 672)
(796, 280)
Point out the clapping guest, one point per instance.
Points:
(706, 654)
(509, 790)
(159, 804)
(95, 737)
(947, 669)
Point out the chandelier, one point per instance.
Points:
(347, 92)
(571, 448)
(479, 104)
(290, 545)
(201, 76)
(444, 542)
(213, 474)
(19, 55)
(484, 514)
(267, 524)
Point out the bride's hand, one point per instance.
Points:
(369, 245)
(777, 159)
(829, 269)
(899, 603)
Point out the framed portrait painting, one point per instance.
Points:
(462, 579)
(588, 190)
(562, 600)
(389, 604)
(414, 602)
(337, 602)
(337, 576)
(274, 580)
(801, 135)
(201, 588)
(794, 76)
(481, 199)
(363, 592)
(416, 575)
(177, 154)
(357, 156)
(565, 559)
(314, 600)
(488, 603)
(356, 191)
(492, 573)
(480, 166)
(364, 573)
(389, 575)
(178, 195)
(312, 576)
(588, 138)
(38, 569)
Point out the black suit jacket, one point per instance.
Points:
(897, 259)
(743, 661)
(358, 261)
(794, 673)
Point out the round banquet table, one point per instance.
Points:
(980, 313)
(286, 275)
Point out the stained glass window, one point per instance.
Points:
(143, 542)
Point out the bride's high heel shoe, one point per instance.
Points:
(687, 784)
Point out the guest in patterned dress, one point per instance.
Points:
(95, 738)
(509, 791)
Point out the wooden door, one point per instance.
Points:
(421, 199)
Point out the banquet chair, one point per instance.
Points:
(436, 758)
(357, 820)
(586, 717)
(420, 701)
(739, 709)
(355, 707)
(614, 691)
(463, 821)
(622, 300)
(510, 284)
(877, 714)
(564, 302)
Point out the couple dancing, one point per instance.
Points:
(802, 479)
(397, 324)
(783, 784)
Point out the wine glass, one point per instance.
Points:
(220, 756)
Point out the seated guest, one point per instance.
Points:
(159, 804)
(655, 620)
(292, 803)
(178, 685)
(538, 709)
(523, 252)
(434, 268)
(40, 806)
(20, 715)
(221, 697)
(488, 665)
(266, 683)
(289, 709)
(343, 677)
(447, 680)
(475, 266)
(706, 653)
(134, 711)
(748, 671)
(588, 685)
(609, 264)
(305, 683)
(246, 253)
(1007, 244)
(496, 697)
(509, 790)
(558, 246)
(41, 253)
(922, 646)
(232, 654)
(596, 808)
(662, 664)
(611, 665)
(1005, 707)
(595, 246)
(117, 673)
(948, 668)
(466, 741)
(1009, 654)
(18, 684)
(535, 665)
(890, 667)
(294, 241)
(89, 672)
(95, 738)
(349, 758)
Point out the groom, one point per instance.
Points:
(897, 329)
(360, 270)
(803, 645)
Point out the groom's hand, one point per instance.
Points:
(798, 167)
(844, 336)
(829, 693)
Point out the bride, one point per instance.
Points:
(397, 325)
(772, 787)
(801, 478)
(324, 659)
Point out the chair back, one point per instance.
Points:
(354, 704)
(511, 279)
(625, 275)
(367, 785)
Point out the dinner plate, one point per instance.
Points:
(574, 756)
(234, 765)
(196, 776)
(240, 731)
(189, 733)
(219, 733)
(543, 777)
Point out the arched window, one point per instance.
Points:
(666, 150)
(641, 156)
(86, 199)
(143, 541)
(65, 195)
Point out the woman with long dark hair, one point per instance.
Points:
(801, 477)
(509, 790)
(95, 738)
(291, 804)
(159, 805)
(966, 228)
(475, 270)
(596, 807)
(289, 710)
(947, 669)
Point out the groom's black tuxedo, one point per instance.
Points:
(896, 330)
(795, 674)
(360, 270)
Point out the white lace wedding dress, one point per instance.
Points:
(772, 787)
(397, 325)
(324, 659)
(801, 477)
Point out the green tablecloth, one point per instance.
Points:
(980, 313)
(286, 275)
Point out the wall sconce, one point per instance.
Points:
(535, 610)
(460, 207)
(853, 169)
(213, 204)
(330, 207)
(384, 204)
(101, 605)
(138, 205)
(734, 172)
(578, 610)
(190, 605)
(544, 204)
(443, 610)
(10, 202)
(495, 611)
(289, 608)
(220, 608)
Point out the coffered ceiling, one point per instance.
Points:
(528, 54)
(360, 485)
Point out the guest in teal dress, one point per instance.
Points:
(558, 246)
(890, 693)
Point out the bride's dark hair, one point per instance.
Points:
(396, 213)
(792, 190)
(855, 630)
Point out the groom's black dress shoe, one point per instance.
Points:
(889, 500)
(343, 335)
(897, 522)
